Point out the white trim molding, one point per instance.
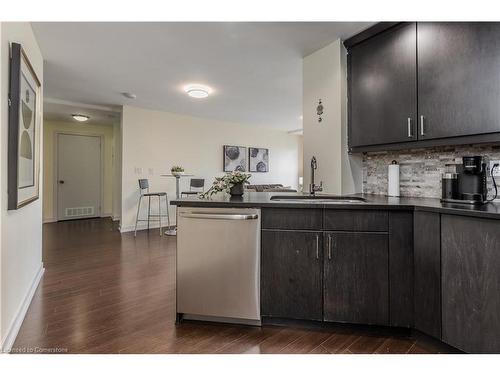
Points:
(15, 326)
(49, 220)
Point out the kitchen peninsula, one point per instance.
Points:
(395, 262)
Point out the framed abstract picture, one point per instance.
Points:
(24, 130)
(259, 159)
(235, 158)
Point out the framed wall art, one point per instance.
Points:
(24, 130)
(235, 158)
(259, 159)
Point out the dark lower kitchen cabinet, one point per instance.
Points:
(356, 283)
(382, 83)
(292, 274)
(355, 220)
(458, 78)
(289, 218)
(401, 268)
(427, 272)
(434, 272)
(471, 283)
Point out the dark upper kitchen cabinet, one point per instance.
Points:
(356, 283)
(471, 283)
(383, 88)
(427, 272)
(453, 66)
(292, 274)
(458, 78)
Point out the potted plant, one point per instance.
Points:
(177, 170)
(232, 183)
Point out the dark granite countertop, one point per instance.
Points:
(489, 210)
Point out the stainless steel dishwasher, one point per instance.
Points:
(218, 264)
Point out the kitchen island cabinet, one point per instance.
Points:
(471, 283)
(356, 282)
(392, 262)
(291, 281)
(337, 272)
(427, 273)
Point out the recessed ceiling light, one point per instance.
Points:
(198, 91)
(80, 118)
(129, 95)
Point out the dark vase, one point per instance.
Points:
(237, 189)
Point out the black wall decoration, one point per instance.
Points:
(319, 111)
(234, 158)
(259, 159)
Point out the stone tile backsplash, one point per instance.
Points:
(420, 169)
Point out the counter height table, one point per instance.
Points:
(173, 231)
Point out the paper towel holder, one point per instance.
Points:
(393, 180)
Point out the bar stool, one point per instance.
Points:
(196, 183)
(144, 185)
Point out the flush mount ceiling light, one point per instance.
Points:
(80, 118)
(198, 91)
(129, 95)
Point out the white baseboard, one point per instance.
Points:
(49, 220)
(115, 218)
(13, 330)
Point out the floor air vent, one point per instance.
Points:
(79, 211)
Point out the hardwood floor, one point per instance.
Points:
(103, 292)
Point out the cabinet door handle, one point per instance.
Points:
(422, 131)
(317, 246)
(410, 135)
(329, 246)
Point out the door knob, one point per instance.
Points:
(61, 181)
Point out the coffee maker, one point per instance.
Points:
(468, 183)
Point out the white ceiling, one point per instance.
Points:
(255, 69)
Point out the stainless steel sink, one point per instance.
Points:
(339, 199)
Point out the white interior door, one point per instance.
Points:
(78, 176)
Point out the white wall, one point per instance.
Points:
(154, 141)
(21, 230)
(325, 78)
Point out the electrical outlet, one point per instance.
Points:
(496, 172)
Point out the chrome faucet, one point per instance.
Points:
(313, 188)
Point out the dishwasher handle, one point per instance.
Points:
(217, 216)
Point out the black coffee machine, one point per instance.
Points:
(468, 183)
